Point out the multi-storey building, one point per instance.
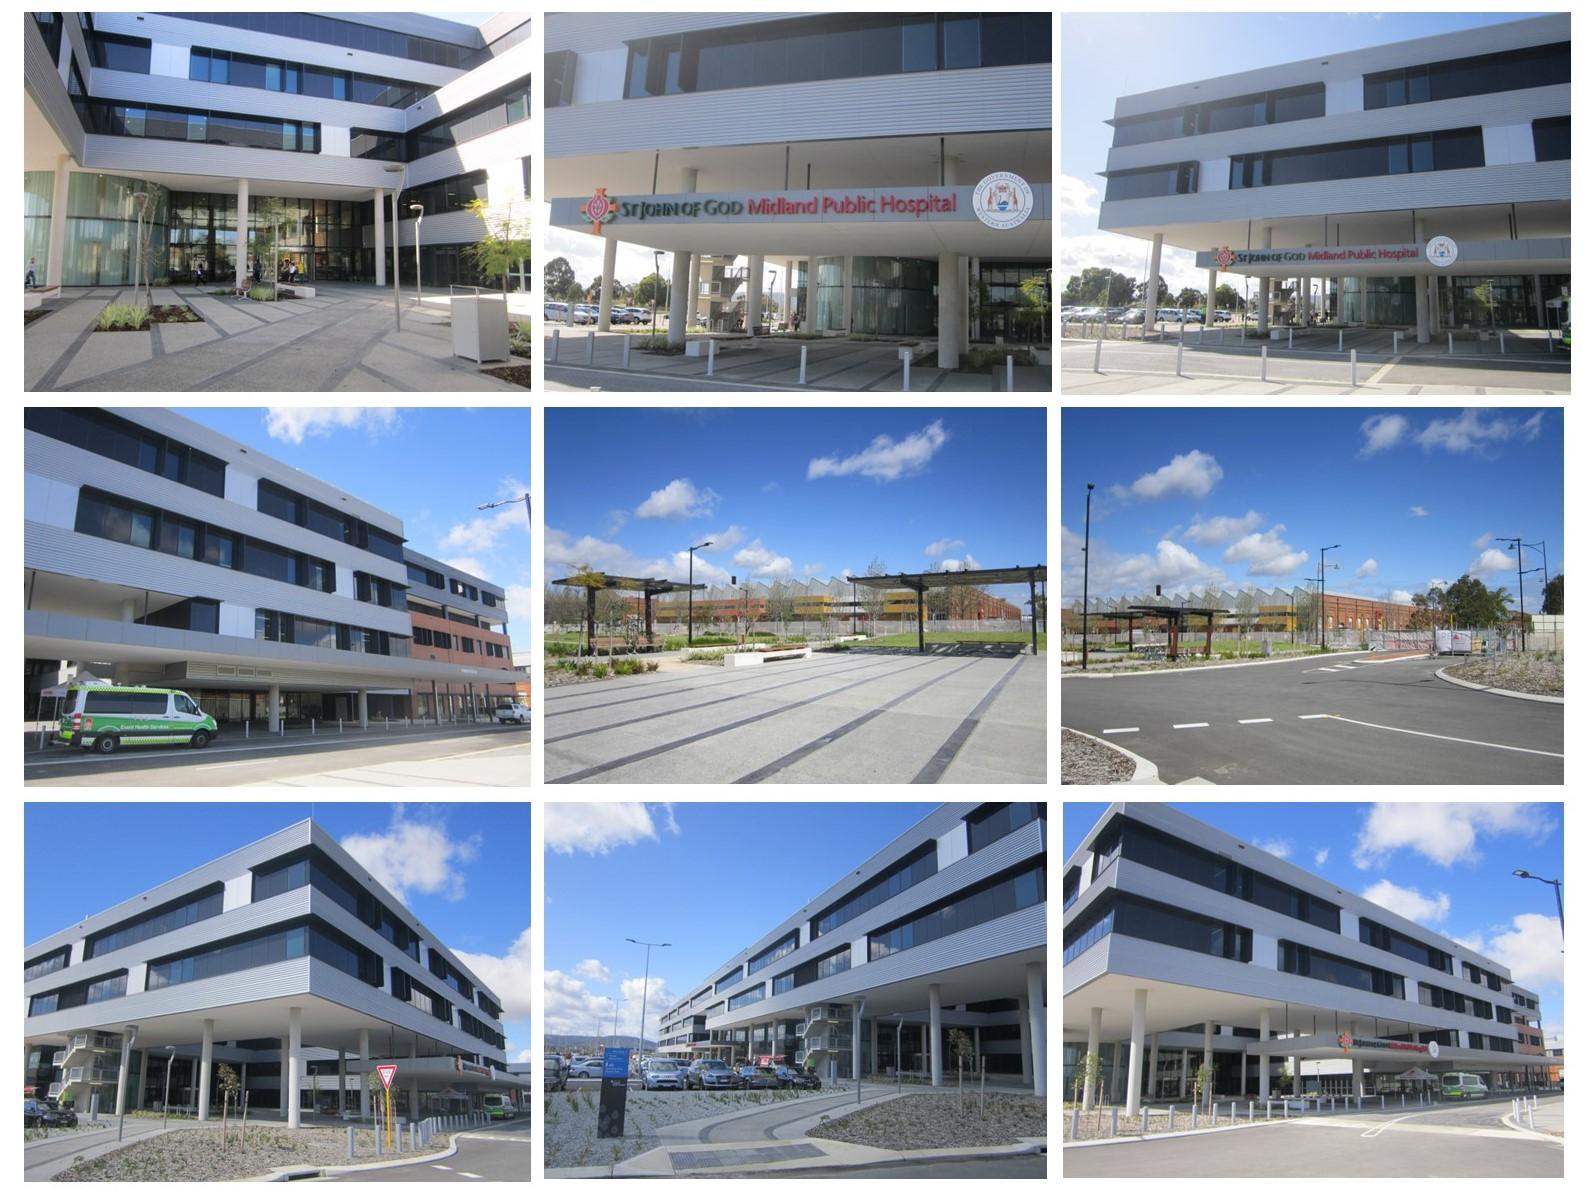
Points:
(159, 552)
(287, 961)
(1184, 946)
(854, 181)
(207, 114)
(942, 929)
(1393, 184)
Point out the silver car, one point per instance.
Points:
(660, 1074)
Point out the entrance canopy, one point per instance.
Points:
(922, 582)
(1496, 257)
(649, 587)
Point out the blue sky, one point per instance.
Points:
(1247, 497)
(1106, 55)
(430, 466)
(1447, 866)
(618, 870)
(463, 869)
(793, 493)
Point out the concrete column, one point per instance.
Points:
(1303, 306)
(362, 1077)
(1209, 305)
(1114, 1090)
(142, 1075)
(340, 1086)
(1264, 1059)
(379, 237)
(241, 234)
(1026, 1049)
(1152, 287)
(947, 321)
(846, 294)
(205, 1068)
(1209, 1053)
(1036, 1024)
(120, 1079)
(936, 1054)
(1435, 322)
(54, 268)
(1357, 1077)
(293, 1068)
(362, 708)
(755, 312)
(1264, 291)
(412, 1102)
(1140, 1009)
(681, 304)
(694, 272)
(789, 299)
(1094, 1015)
(1539, 297)
(608, 273)
(274, 708)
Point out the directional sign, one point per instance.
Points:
(613, 1093)
(387, 1075)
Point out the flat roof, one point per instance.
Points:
(648, 585)
(929, 580)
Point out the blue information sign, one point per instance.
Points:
(613, 1093)
(616, 1064)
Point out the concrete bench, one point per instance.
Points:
(301, 290)
(698, 346)
(734, 659)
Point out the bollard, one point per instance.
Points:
(1289, 330)
(379, 1141)
(387, 725)
(1222, 337)
(1010, 388)
(1267, 1104)
(1098, 347)
(1451, 343)
(1244, 334)
(1214, 1113)
(1503, 342)
(1382, 1103)
(350, 1146)
(1264, 363)
(1144, 1122)
(802, 365)
(340, 727)
(1170, 1119)
(1530, 1113)
(1514, 1111)
(555, 345)
(590, 359)
(1354, 367)
(906, 370)
(1549, 343)
(1339, 347)
(1179, 350)
(1250, 1112)
(283, 727)
(626, 351)
(1074, 1124)
(1395, 341)
(1113, 1114)
(247, 729)
(313, 726)
(711, 370)
(1195, 1116)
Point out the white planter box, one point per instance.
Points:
(736, 659)
(479, 329)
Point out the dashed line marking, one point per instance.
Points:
(1407, 731)
(1116, 731)
(1255, 721)
(1320, 716)
(469, 1175)
(1180, 726)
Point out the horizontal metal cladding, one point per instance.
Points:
(1500, 108)
(1354, 64)
(585, 31)
(1509, 183)
(251, 102)
(265, 168)
(506, 144)
(52, 549)
(41, 74)
(46, 457)
(925, 102)
(326, 982)
(277, 981)
(514, 64)
(175, 31)
(440, 229)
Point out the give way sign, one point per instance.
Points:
(387, 1075)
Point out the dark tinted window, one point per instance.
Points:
(1154, 127)
(190, 910)
(115, 438)
(56, 959)
(1440, 151)
(111, 518)
(560, 77)
(1459, 148)
(1010, 891)
(910, 870)
(1152, 181)
(118, 53)
(1552, 138)
(1147, 920)
(1529, 67)
(993, 821)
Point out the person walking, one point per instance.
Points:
(198, 274)
(32, 274)
(258, 271)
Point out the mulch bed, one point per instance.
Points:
(159, 313)
(513, 374)
(926, 1122)
(33, 315)
(1525, 672)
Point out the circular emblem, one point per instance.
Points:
(1441, 251)
(1434, 1049)
(600, 208)
(1345, 1041)
(1225, 257)
(1002, 200)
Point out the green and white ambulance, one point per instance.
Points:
(104, 718)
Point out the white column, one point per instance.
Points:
(294, 1060)
(1140, 1008)
(755, 312)
(936, 1054)
(1357, 1077)
(274, 708)
(788, 297)
(362, 1076)
(608, 273)
(120, 1079)
(846, 293)
(947, 321)
(1209, 1054)
(1264, 1059)
(340, 1087)
(379, 237)
(694, 271)
(55, 257)
(1036, 1023)
(1209, 305)
(1154, 1063)
(1026, 1041)
(1264, 291)
(676, 327)
(241, 233)
(362, 708)
(1094, 1015)
(1152, 288)
(967, 292)
(205, 1067)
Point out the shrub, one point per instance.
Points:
(261, 294)
(123, 317)
(982, 359)
(600, 671)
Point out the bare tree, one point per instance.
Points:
(780, 604)
(563, 606)
(872, 596)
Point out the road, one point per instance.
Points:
(1458, 1143)
(500, 1155)
(1317, 721)
(1032, 1166)
(467, 756)
(883, 715)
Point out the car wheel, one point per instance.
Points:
(200, 739)
(106, 744)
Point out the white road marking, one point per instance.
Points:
(1255, 721)
(1320, 670)
(1115, 731)
(469, 1175)
(1322, 716)
(440, 1166)
(1180, 726)
(1407, 731)
(1380, 1128)
(1339, 668)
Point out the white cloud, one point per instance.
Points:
(1445, 833)
(1530, 947)
(1191, 475)
(1382, 432)
(1223, 528)
(1491, 561)
(941, 546)
(468, 564)
(1170, 566)
(485, 532)
(615, 520)
(680, 499)
(1321, 856)
(763, 562)
(1368, 568)
(1484, 541)
(509, 978)
(596, 827)
(1077, 197)
(1477, 430)
(1266, 554)
(563, 554)
(293, 424)
(572, 1009)
(593, 968)
(1417, 512)
(952, 565)
(724, 541)
(1276, 846)
(1402, 596)
(414, 855)
(1405, 901)
(885, 459)
(1438, 583)
(812, 569)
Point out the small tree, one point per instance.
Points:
(1088, 1075)
(1484, 295)
(1286, 1080)
(230, 1092)
(1203, 1083)
(873, 597)
(505, 243)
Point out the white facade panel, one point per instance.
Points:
(335, 140)
(46, 500)
(238, 621)
(951, 847)
(241, 486)
(1265, 950)
(169, 58)
(1509, 143)
(601, 75)
(1344, 96)
(1214, 175)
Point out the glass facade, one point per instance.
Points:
(1007, 892)
(1444, 150)
(306, 79)
(311, 27)
(994, 821)
(751, 995)
(95, 990)
(780, 949)
(1131, 915)
(1506, 71)
(889, 882)
(101, 229)
(889, 296)
(56, 959)
(1169, 180)
(123, 120)
(115, 438)
(279, 945)
(1392, 300)
(1233, 113)
(1344, 972)
(734, 977)
(49, 26)
(1380, 937)
(38, 196)
(200, 906)
(504, 107)
(115, 52)
(812, 971)
(1552, 138)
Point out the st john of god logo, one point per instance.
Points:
(599, 209)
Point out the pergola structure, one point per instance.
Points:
(1173, 616)
(920, 583)
(650, 587)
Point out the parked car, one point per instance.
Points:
(1130, 317)
(556, 1069)
(709, 1074)
(662, 1074)
(585, 1067)
(557, 311)
(585, 315)
(40, 1114)
(512, 712)
(796, 1076)
(759, 1077)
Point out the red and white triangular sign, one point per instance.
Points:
(387, 1074)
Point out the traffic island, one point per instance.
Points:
(939, 1120)
(1089, 761)
(1531, 675)
(202, 1155)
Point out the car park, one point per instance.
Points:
(103, 718)
(759, 1077)
(1130, 317)
(555, 1072)
(709, 1074)
(795, 1076)
(585, 1067)
(585, 315)
(557, 311)
(662, 1074)
(40, 1114)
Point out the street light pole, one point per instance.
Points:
(648, 948)
(1555, 882)
(417, 248)
(1330, 548)
(706, 543)
(395, 233)
(1088, 509)
(170, 1060)
(1516, 541)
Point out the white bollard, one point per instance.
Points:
(555, 345)
(711, 370)
(1010, 387)
(906, 370)
(1113, 1114)
(1395, 341)
(1267, 1105)
(313, 727)
(1451, 343)
(350, 1147)
(1339, 347)
(1144, 1131)
(1195, 1116)
(247, 729)
(1286, 1109)
(1098, 347)
(1214, 1113)
(1074, 1124)
(1179, 350)
(1503, 342)
(1244, 334)
(1289, 331)
(1170, 1119)
(1354, 367)
(1549, 342)
(1264, 363)
(626, 351)
(802, 365)
(590, 349)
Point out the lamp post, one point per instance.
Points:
(417, 247)
(615, 1021)
(654, 310)
(526, 499)
(141, 199)
(128, 1042)
(170, 1060)
(1555, 882)
(1322, 566)
(1088, 507)
(399, 169)
(643, 1015)
(1516, 541)
(706, 543)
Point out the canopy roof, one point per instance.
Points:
(648, 585)
(1012, 576)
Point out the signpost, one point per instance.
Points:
(613, 1093)
(387, 1075)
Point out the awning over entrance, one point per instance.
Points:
(922, 582)
(1379, 1051)
(1498, 257)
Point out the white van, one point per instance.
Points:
(500, 1107)
(1459, 1084)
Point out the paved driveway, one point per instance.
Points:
(950, 715)
(1320, 720)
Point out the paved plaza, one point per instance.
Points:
(342, 339)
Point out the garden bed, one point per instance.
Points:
(199, 1155)
(137, 317)
(1087, 762)
(1524, 672)
(567, 671)
(940, 1121)
(520, 375)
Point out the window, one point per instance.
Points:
(115, 438)
(1009, 891)
(774, 953)
(114, 52)
(812, 971)
(335, 32)
(560, 77)
(48, 963)
(190, 614)
(992, 821)
(167, 122)
(1070, 886)
(1440, 151)
(1232, 113)
(1475, 1040)
(889, 882)
(735, 976)
(1552, 138)
(106, 517)
(93, 990)
(489, 1006)
(1381, 937)
(189, 910)
(1170, 180)
(49, 27)
(1089, 929)
(487, 598)
(1509, 70)
(1294, 958)
(419, 575)
(751, 995)
(1504, 1015)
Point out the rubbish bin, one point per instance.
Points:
(479, 328)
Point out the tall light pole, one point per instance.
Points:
(526, 499)
(615, 1021)
(643, 1015)
(654, 311)
(1555, 882)
(399, 169)
(706, 543)
(1322, 566)
(1516, 541)
(1088, 509)
(170, 1060)
(128, 1043)
(417, 247)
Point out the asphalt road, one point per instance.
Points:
(494, 755)
(1318, 721)
(500, 1155)
(1035, 1166)
(565, 378)
(884, 715)
(1458, 1143)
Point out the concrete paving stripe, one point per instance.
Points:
(1407, 731)
(559, 712)
(1255, 721)
(947, 752)
(1116, 731)
(1180, 726)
